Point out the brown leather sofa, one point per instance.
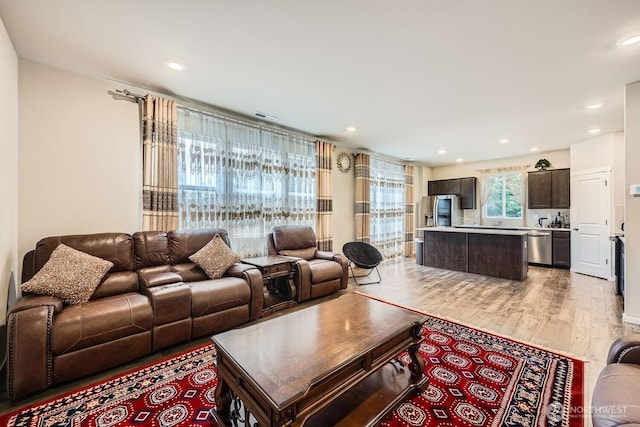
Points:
(317, 273)
(153, 297)
(616, 396)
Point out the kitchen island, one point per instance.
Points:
(490, 252)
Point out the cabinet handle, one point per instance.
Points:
(575, 229)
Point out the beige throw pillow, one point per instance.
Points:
(69, 274)
(215, 257)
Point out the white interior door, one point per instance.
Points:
(590, 211)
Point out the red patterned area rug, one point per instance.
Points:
(475, 379)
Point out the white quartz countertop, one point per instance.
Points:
(508, 227)
(495, 230)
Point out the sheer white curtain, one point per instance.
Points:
(242, 178)
(387, 207)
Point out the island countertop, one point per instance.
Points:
(468, 230)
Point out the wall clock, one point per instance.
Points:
(344, 162)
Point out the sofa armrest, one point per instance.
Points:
(238, 269)
(625, 349)
(254, 278)
(33, 301)
(29, 357)
(302, 279)
(152, 279)
(340, 259)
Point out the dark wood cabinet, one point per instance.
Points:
(445, 250)
(463, 187)
(560, 188)
(480, 252)
(561, 249)
(540, 190)
(498, 256)
(468, 193)
(549, 189)
(443, 187)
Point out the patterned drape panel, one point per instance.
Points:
(363, 197)
(408, 212)
(324, 195)
(387, 207)
(159, 154)
(243, 178)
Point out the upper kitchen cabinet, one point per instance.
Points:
(560, 188)
(549, 189)
(463, 187)
(443, 187)
(468, 192)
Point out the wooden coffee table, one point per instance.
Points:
(322, 365)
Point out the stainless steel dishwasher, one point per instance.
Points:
(539, 244)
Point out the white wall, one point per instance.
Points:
(559, 159)
(632, 204)
(343, 203)
(604, 153)
(79, 156)
(8, 168)
(619, 172)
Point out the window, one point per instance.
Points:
(503, 192)
(387, 207)
(243, 178)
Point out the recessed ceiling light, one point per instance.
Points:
(442, 151)
(533, 149)
(459, 159)
(351, 128)
(177, 66)
(594, 130)
(504, 141)
(593, 106)
(628, 41)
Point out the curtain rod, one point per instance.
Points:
(127, 94)
(245, 122)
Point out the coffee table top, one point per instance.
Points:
(287, 354)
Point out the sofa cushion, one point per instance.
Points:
(323, 270)
(212, 296)
(184, 243)
(293, 237)
(100, 321)
(215, 257)
(69, 274)
(615, 397)
(308, 253)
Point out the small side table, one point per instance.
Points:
(277, 272)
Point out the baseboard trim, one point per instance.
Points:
(629, 319)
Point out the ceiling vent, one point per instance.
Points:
(265, 116)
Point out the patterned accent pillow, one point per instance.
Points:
(69, 274)
(215, 257)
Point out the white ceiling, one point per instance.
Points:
(414, 76)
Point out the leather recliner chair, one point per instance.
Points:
(616, 396)
(317, 273)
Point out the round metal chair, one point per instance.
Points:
(365, 256)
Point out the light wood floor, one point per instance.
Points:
(570, 313)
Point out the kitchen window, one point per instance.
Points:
(503, 195)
